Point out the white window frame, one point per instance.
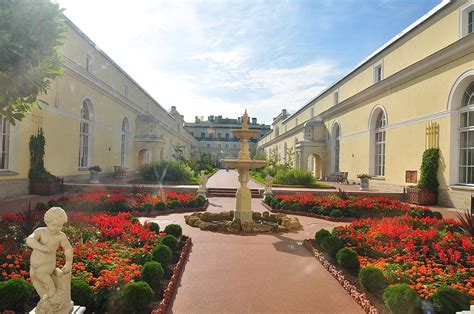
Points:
(5, 132)
(464, 12)
(124, 142)
(336, 130)
(84, 137)
(126, 91)
(380, 140)
(88, 64)
(469, 130)
(335, 96)
(378, 67)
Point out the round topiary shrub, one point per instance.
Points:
(162, 254)
(193, 204)
(137, 296)
(152, 273)
(14, 293)
(153, 226)
(175, 204)
(321, 235)
(331, 245)
(335, 213)
(82, 293)
(200, 199)
(449, 300)
(40, 206)
(294, 207)
(437, 215)
(372, 279)
(170, 241)
(147, 207)
(401, 299)
(347, 258)
(160, 205)
(174, 229)
(268, 200)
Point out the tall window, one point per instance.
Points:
(379, 132)
(470, 23)
(4, 142)
(84, 136)
(466, 137)
(124, 143)
(378, 73)
(336, 135)
(88, 63)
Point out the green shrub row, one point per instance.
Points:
(398, 298)
(347, 212)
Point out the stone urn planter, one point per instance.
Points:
(94, 179)
(364, 182)
(421, 196)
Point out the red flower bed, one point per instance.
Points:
(109, 250)
(353, 207)
(425, 253)
(120, 200)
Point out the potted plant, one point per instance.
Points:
(425, 192)
(364, 181)
(41, 181)
(95, 170)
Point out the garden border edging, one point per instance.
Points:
(177, 272)
(359, 297)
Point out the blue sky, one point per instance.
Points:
(219, 57)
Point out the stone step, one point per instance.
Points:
(230, 192)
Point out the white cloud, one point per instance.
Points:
(208, 59)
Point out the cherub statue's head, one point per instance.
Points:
(55, 218)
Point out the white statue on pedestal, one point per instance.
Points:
(202, 180)
(52, 284)
(202, 184)
(268, 186)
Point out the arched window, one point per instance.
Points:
(124, 143)
(379, 132)
(336, 138)
(85, 135)
(4, 142)
(466, 137)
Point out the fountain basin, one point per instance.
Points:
(245, 134)
(243, 163)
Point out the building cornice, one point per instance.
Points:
(103, 87)
(285, 135)
(457, 50)
(406, 34)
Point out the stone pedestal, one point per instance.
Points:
(202, 192)
(243, 207)
(75, 310)
(266, 193)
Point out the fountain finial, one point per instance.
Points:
(245, 121)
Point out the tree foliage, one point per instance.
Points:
(30, 35)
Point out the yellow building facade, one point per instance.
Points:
(375, 119)
(95, 114)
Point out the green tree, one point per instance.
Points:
(30, 35)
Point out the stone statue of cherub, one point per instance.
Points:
(202, 180)
(52, 284)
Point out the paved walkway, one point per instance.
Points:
(255, 273)
(230, 179)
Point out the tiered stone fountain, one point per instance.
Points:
(243, 209)
(243, 219)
